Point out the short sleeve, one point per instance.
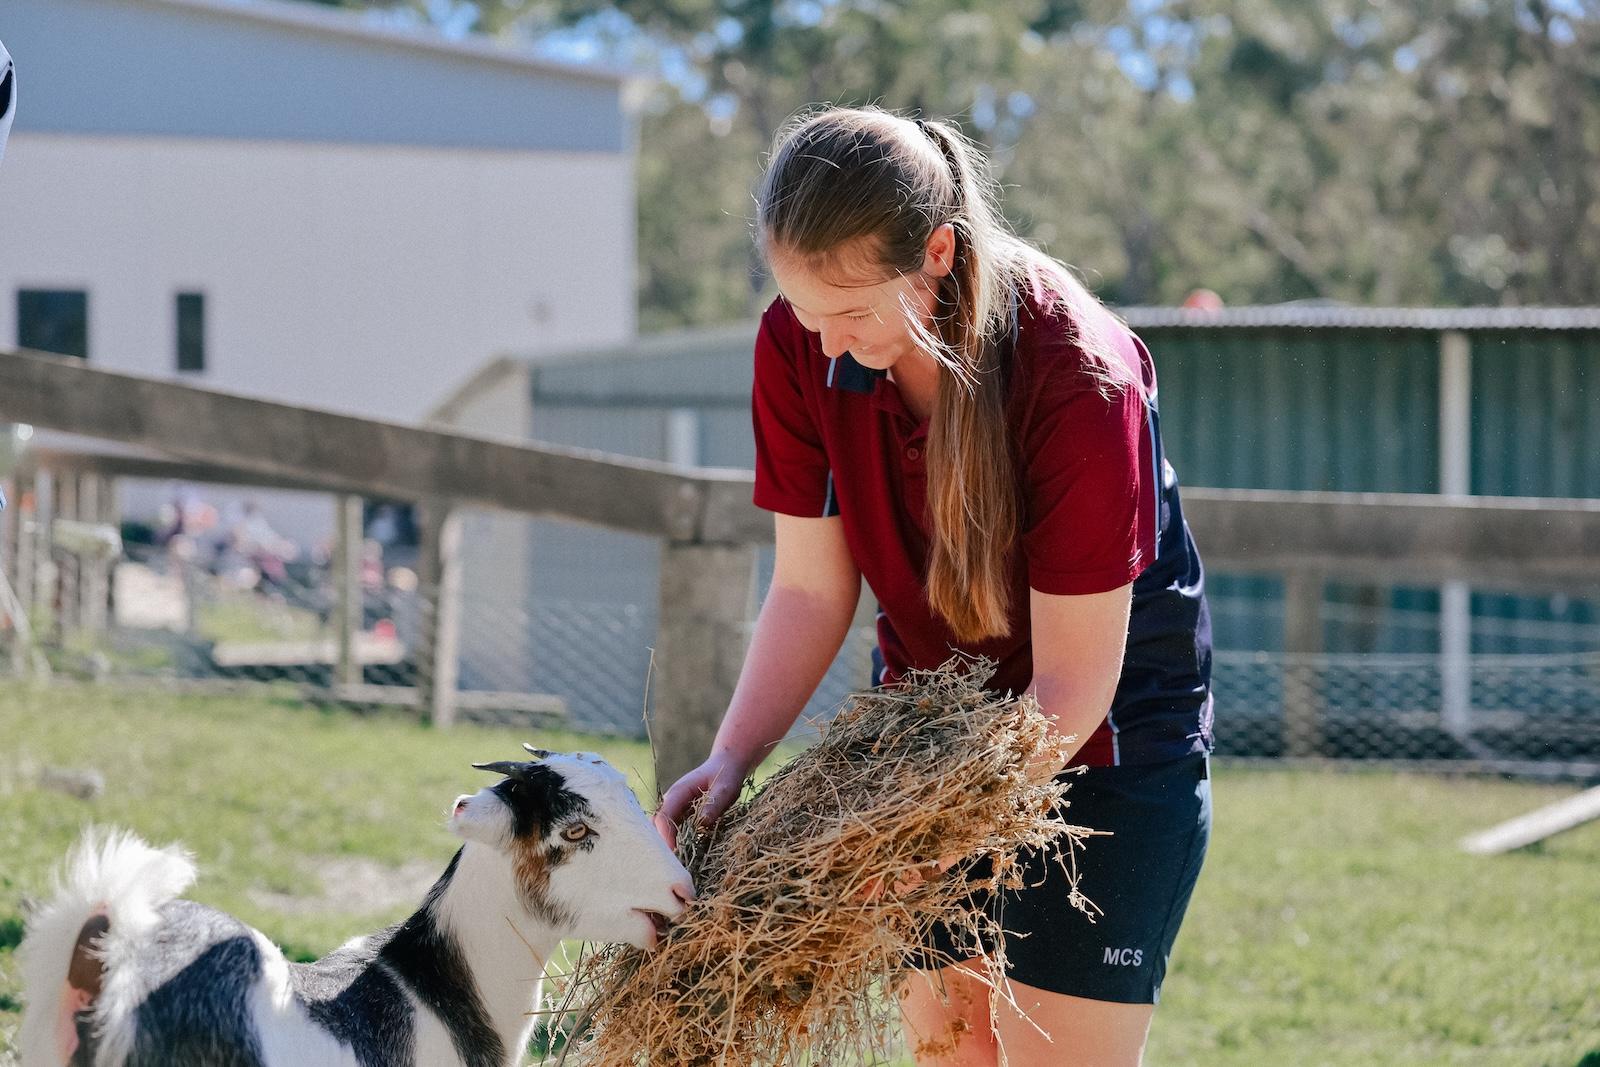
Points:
(1089, 486)
(791, 462)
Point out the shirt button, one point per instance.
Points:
(913, 452)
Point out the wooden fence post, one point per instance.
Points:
(13, 532)
(439, 589)
(9, 527)
(25, 566)
(347, 614)
(64, 505)
(94, 582)
(705, 599)
(1302, 640)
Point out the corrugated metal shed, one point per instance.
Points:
(1302, 396)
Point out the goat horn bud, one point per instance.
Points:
(499, 767)
(537, 753)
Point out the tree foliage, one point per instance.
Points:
(1434, 152)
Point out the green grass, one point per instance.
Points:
(1336, 922)
(243, 616)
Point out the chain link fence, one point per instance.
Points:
(233, 605)
(229, 603)
(1392, 707)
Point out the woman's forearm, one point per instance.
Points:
(1078, 644)
(1075, 711)
(797, 634)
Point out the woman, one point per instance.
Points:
(944, 410)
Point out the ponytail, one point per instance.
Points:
(972, 492)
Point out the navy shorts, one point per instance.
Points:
(1140, 878)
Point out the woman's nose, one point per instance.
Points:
(835, 343)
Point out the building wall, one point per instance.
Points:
(368, 278)
(371, 212)
(496, 627)
(364, 278)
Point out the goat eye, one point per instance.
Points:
(576, 832)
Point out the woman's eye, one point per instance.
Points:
(576, 832)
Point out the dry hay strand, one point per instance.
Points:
(816, 893)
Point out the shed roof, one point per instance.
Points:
(1317, 315)
(272, 70)
(374, 27)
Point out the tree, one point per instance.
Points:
(1437, 152)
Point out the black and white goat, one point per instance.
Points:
(120, 972)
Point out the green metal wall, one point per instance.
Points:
(1357, 410)
(1338, 410)
(1536, 407)
(1536, 432)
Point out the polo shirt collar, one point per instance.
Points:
(845, 373)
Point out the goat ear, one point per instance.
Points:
(536, 753)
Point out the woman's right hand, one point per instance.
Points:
(720, 778)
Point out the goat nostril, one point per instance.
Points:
(684, 891)
(461, 806)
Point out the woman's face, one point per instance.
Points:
(871, 321)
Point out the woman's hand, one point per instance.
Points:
(720, 778)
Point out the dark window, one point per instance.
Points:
(390, 523)
(53, 320)
(191, 331)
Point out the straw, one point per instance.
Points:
(816, 891)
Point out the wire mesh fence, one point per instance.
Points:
(1521, 708)
(557, 625)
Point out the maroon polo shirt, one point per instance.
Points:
(834, 438)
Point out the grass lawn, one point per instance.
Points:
(1336, 923)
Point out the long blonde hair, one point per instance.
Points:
(846, 180)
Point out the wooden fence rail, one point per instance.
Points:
(159, 428)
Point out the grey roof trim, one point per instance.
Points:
(484, 381)
(695, 340)
(690, 397)
(309, 17)
(1341, 316)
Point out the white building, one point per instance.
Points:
(299, 203)
(318, 207)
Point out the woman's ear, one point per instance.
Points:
(940, 256)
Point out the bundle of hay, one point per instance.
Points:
(817, 890)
